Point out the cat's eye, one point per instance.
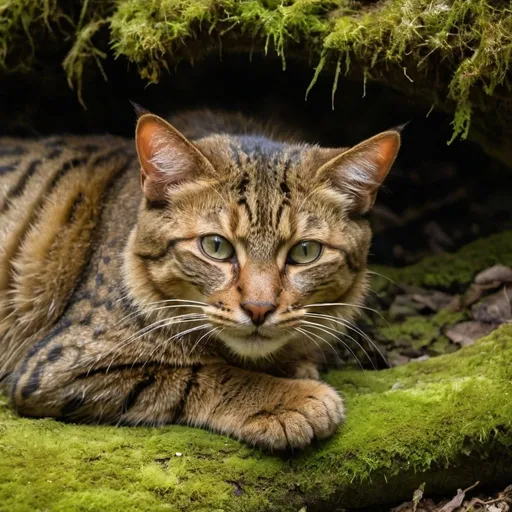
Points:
(304, 252)
(217, 247)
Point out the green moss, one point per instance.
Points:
(471, 37)
(421, 331)
(149, 32)
(442, 409)
(449, 271)
(416, 331)
(455, 55)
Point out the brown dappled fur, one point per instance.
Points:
(110, 311)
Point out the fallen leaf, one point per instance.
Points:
(434, 301)
(424, 357)
(466, 333)
(499, 273)
(496, 308)
(475, 292)
(417, 495)
(397, 359)
(455, 502)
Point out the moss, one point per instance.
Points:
(417, 331)
(455, 55)
(449, 271)
(420, 331)
(443, 409)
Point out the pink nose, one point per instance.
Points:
(258, 311)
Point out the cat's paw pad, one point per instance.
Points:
(315, 411)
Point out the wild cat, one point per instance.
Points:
(194, 281)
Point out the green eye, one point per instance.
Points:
(217, 247)
(304, 252)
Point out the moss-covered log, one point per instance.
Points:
(445, 422)
(451, 55)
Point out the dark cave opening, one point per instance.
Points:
(437, 197)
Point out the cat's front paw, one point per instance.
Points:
(303, 370)
(308, 410)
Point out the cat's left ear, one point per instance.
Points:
(166, 157)
(360, 170)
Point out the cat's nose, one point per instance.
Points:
(258, 311)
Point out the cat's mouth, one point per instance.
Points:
(253, 344)
(257, 335)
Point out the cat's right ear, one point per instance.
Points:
(166, 157)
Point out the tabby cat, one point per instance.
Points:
(194, 281)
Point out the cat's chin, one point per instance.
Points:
(253, 346)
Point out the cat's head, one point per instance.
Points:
(258, 232)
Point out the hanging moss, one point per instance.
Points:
(454, 55)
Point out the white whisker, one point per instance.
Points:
(152, 310)
(203, 336)
(175, 336)
(308, 335)
(331, 331)
(355, 306)
(166, 322)
(352, 327)
(162, 324)
(372, 272)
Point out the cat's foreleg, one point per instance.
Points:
(267, 411)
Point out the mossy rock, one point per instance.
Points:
(446, 421)
(451, 55)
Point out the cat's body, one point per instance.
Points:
(94, 273)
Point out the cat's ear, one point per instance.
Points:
(166, 157)
(360, 170)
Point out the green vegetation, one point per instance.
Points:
(404, 426)
(421, 331)
(452, 55)
(449, 271)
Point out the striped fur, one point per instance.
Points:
(110, 312)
